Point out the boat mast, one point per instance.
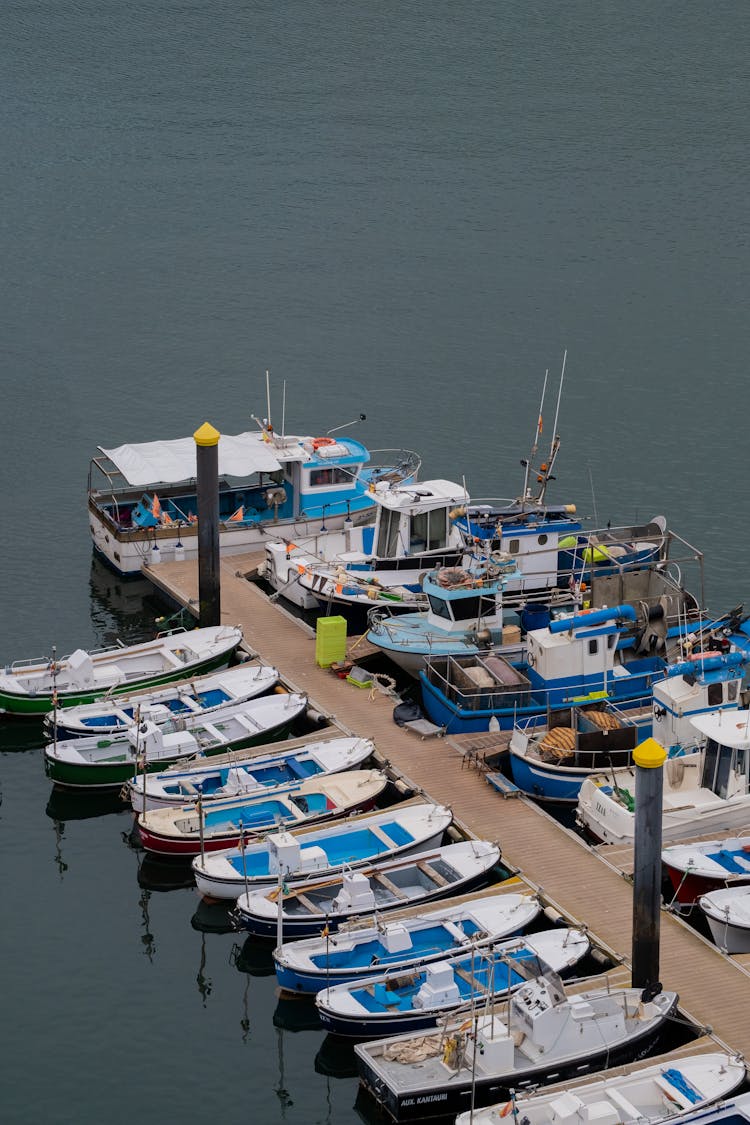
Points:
(555, 441)
(535, 442)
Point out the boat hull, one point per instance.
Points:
(546, 783)
(37, 706)
(114, 774)
(178, 847)
(458, 1096)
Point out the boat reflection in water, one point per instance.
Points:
(295, 1013)
(67, 805)
(336, 1058)
(254, 957)
(211, 917)
(153, 875)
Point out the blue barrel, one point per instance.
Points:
(535, 617)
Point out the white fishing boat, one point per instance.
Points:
(107, 763)
(377, 564)
(418, 998)
(308, 907)
(705, 791)
(233, 774)
(403, 938)
(34, 687)
(540, 1035)
(728, 914)
(648, 1094)
(186, 830)
(142, 498)
(184, 699)
(321, 852)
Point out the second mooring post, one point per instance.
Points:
(209, 589)
(649, 760)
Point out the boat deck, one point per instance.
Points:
(572, 877)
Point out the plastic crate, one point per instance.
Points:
(330, 640)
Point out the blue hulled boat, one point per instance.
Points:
(401, 1002)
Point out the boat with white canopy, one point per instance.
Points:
(142, 498)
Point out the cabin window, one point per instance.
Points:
(469, 609)
(387, 545)
(439, 607)
(732, 690)
(514, 546)
(593, 646)
(611, 641)
(715, 695)
(716, 767)
(542, 540)
(332, 475)
(429, 531)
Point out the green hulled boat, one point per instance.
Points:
(27, 688)
(107, 763)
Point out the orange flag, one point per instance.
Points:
(238, 516)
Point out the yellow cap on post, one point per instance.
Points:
(206, 435)
(650, 754)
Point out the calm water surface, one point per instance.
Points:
(404, 209)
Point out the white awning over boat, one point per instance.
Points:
(169, 462)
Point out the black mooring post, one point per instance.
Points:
(209, 588)
(649, 760)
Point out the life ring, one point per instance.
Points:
(319, 441)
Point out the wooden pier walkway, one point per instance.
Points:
(713, 988)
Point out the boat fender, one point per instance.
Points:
(554, 915)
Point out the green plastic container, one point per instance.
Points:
(330, 640)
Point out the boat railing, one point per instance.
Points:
(402, 464)
(447, 674)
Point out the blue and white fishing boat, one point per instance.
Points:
(402, 939)
(322, 852)
(614, 654)
(184, 699)
(465, 614)
(229, 775)
(377, 564)
(550, 759)
(143, 506)
(306, 908)
(397, 1002)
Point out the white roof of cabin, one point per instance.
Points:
(168, 462)
(730, 728)
(421, 496)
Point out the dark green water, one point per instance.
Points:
(406, 209)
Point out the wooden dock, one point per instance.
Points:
(713, 988)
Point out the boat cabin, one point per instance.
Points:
(692, 689)
(462, 597)
(726, 756)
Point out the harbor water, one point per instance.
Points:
(405, 210)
